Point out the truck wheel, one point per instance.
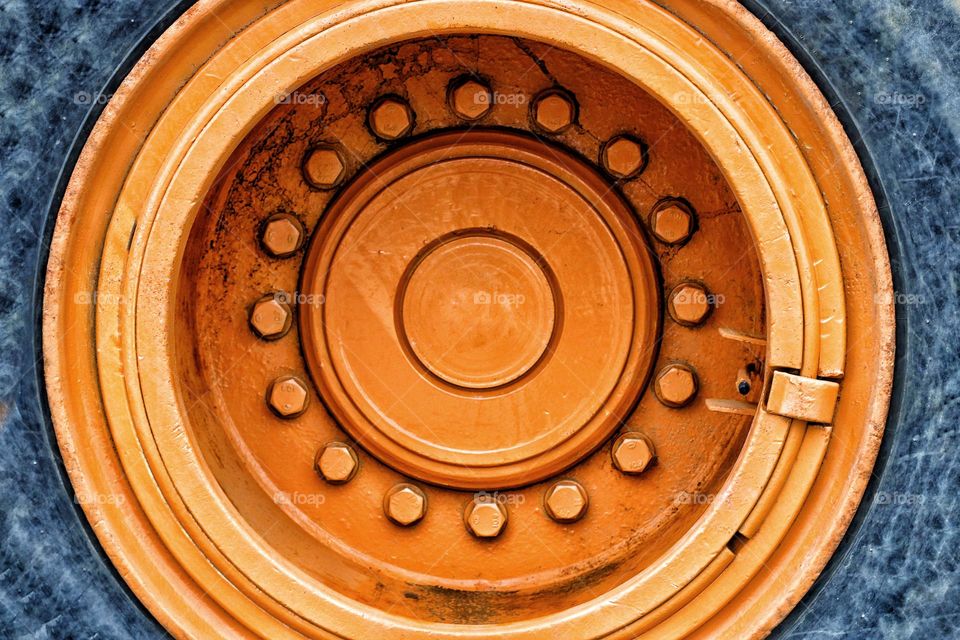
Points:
(459, 319)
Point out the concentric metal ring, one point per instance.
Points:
(199, 550)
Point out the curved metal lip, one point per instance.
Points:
(72, 154)
(893, 240)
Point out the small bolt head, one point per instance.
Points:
(554, 111)
(470, 99)
(566, 501)
(632, 453)
(624, 157)
(485, 517)
(337, 462)
(689, 304)
(288, 396)
(282, 235)
(324, 167)
(270, 317)
(676, 385)
(391, 118)
(672, 222)
(405, 504)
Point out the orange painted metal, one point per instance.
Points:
(439, 333)
(464, 340)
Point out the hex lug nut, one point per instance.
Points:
(336, 462)
(672, 221)
(633, 453)
(271, 317)
(405, 504)
(324, 167)
(390, 118)
(554, 111)
(288, 397)
(485, 517)
(469, 98)
(689, 304)
(624, 157)
(282, 235)
(676, 385)
(566, 501)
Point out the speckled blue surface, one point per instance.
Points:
(893, 66)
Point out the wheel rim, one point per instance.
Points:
(223, 502)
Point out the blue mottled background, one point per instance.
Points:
(891, 67)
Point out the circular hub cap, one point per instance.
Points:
(477, 309)
(445, 344)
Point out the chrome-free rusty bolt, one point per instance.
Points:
(282, 235)
(288, 396)
(390, 118)
(633, 452)
(485, 517)
(470, 99)
(405, 504)
(689, 303)
(624, 157)
(672, 221)
(270, 317)
(336, 462)
(554, 110)
(676, 385)
(566, 501)
(324, 167)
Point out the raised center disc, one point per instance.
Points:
(477, 309)
(443, 345)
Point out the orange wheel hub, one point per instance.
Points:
(430, 320)
(462, 338)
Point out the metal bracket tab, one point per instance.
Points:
(802, 398)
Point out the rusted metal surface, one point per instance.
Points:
(499, 329)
